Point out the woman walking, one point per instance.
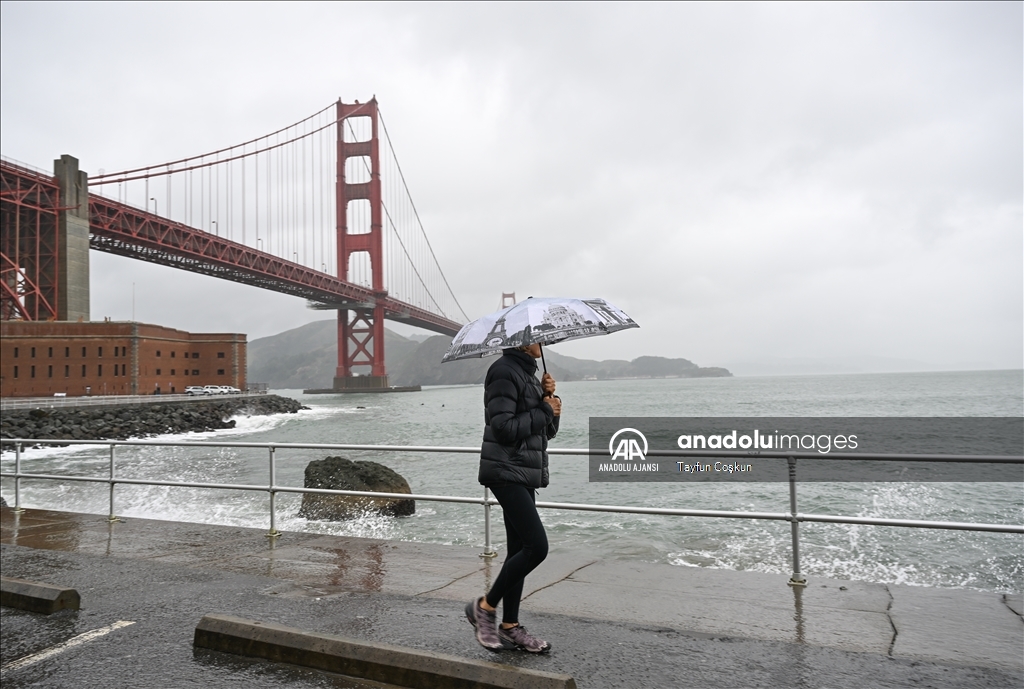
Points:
(521, 415)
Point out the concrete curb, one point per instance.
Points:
(35, 597)
(380, 662)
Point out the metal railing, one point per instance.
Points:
(9, 403)
(794, 517)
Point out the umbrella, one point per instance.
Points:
(542, 321)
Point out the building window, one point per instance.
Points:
(158, 352)
(33, 372)
(101, 352)
(186, 371)
(83, 351)
(83, 370)
(15, 371)
(195, 355)
(124, 368)
(49, 371)
(100, 372)
(67, 352)
(172, 355)
(220, 355)
(67, 371)
(15, 352)
(115, 370)
(172, 371)
(50, 352)
(158, 371)
(195, 372)
(220, 371)
(33, 352)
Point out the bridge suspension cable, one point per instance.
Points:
(418, 279)
(278, 194)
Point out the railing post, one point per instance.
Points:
(488, 550)
(797, 579)
(17, 479)
(113, 516)
(273, 533)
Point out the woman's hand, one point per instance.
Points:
(548, 384)
(555, 403)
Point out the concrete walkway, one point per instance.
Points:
(612, 623)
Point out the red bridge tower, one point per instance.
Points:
(361, 327)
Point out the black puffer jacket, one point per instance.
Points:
(519, 423)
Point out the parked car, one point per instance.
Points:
(213, 389)
(196, 390)
(229, 390)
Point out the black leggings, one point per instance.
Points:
(527, 547)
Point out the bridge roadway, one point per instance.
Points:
(122, 229)
(612, 623)
(119, 228)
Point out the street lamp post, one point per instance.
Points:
(156, 207)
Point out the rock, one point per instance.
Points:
(138, 421)
(340, 473)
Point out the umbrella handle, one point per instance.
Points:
(544, 363)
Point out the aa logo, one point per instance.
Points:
(629, 445)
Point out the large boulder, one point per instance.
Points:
(340, 473)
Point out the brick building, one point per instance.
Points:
(41, 358)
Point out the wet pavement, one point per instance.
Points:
(612, 623)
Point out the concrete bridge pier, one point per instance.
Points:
(360, 383)
(72, 240)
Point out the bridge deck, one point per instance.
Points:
(127, 231)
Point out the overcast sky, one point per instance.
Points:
(747, 181)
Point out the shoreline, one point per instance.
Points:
(123, 422)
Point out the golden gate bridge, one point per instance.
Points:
(319, 210)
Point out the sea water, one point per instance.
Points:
(453, 416)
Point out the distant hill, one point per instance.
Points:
(306, 357)
(641, 367)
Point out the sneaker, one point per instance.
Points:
(517, 637)
(485, 624)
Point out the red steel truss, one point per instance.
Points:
(29, 246)
(127, 231)
(29, 288)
